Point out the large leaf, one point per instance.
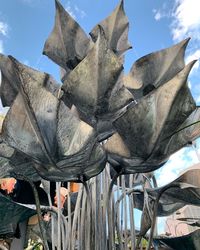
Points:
(143, 128)
(15, 162)
(185, 190)
(67, 44)
(152, 70)
(115, 27)
(40, 126)
(10, 81)
(99, 72)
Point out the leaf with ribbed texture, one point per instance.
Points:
(10, 80)
(153, 70)
(143, 128)
(185, 190)
(98, 72)
(115, 27)
(67, 44)
(40, 126)
(13, 161)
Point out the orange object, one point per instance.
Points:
(74, 187)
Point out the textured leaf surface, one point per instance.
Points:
(143, 129)
(153, 70)
(40, 126)
(67, 44)
(115, 27)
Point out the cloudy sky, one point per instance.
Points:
(154, 25)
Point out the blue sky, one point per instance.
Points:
(154, 25)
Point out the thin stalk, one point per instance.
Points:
(155, 185)
(98, 236)
(125, 212)
(117, 218)
(117, 224)
(131, 210)
(69, 215)
(121, 218)
(83, 221)
(59, 213)
(54, 212)
(118, 211)
(78, 229)
(95, 208)
(109, 211)
(63, 233)
(155, 213)
(90, 217)
(104, 212)
(75, 219)
(52, 223)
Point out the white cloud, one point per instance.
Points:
(194, 56)
(1, 47)
(185, 22)
(198, 99)
(177, 163)
(159, 14)
(189, 85)
(68, 8)
(74, 11)
(162, 12)
(168, 172)
(194, 155)
(3, 28)
(186, 19)
(80, 12)
(3, 32)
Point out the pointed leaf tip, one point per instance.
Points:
(116, 30)
(67, 44)
(189, 66)
(185, 42)
(121, 5)
(57, 3)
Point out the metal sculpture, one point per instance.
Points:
(166, 200)
(38, 131)
(134, 122)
